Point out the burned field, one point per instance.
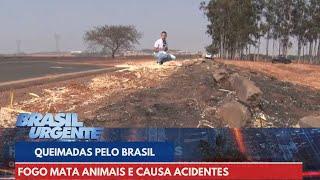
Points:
(188, 93)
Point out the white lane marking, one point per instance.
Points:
(56, 67)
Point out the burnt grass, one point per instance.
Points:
(286, 102)
(191, 95)
(177, 102)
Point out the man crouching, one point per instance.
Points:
(161, 48)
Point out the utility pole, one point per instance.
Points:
(57, 41)
(18, 42)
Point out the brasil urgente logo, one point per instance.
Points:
(64, 126)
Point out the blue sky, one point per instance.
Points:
(35, 22)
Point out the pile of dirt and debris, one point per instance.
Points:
(291, 92)
(209, 94)
(188, 93)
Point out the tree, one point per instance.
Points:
(232, 25)
(299, 23)
(313, 30)
(283, 24)
(113, 39)
(212, 49)
(270, 17)
(261, 29)
(237, 26)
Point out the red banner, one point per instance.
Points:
(159, 171)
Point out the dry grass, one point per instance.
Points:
(133, 76)
(303, 74)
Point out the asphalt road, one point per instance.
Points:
(12, 70)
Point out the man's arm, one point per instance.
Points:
(156, 49)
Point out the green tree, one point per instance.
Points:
(237, 26)
(112, 39)
(232, 25)
(299, 24)
(270, 17)
(313, 29)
